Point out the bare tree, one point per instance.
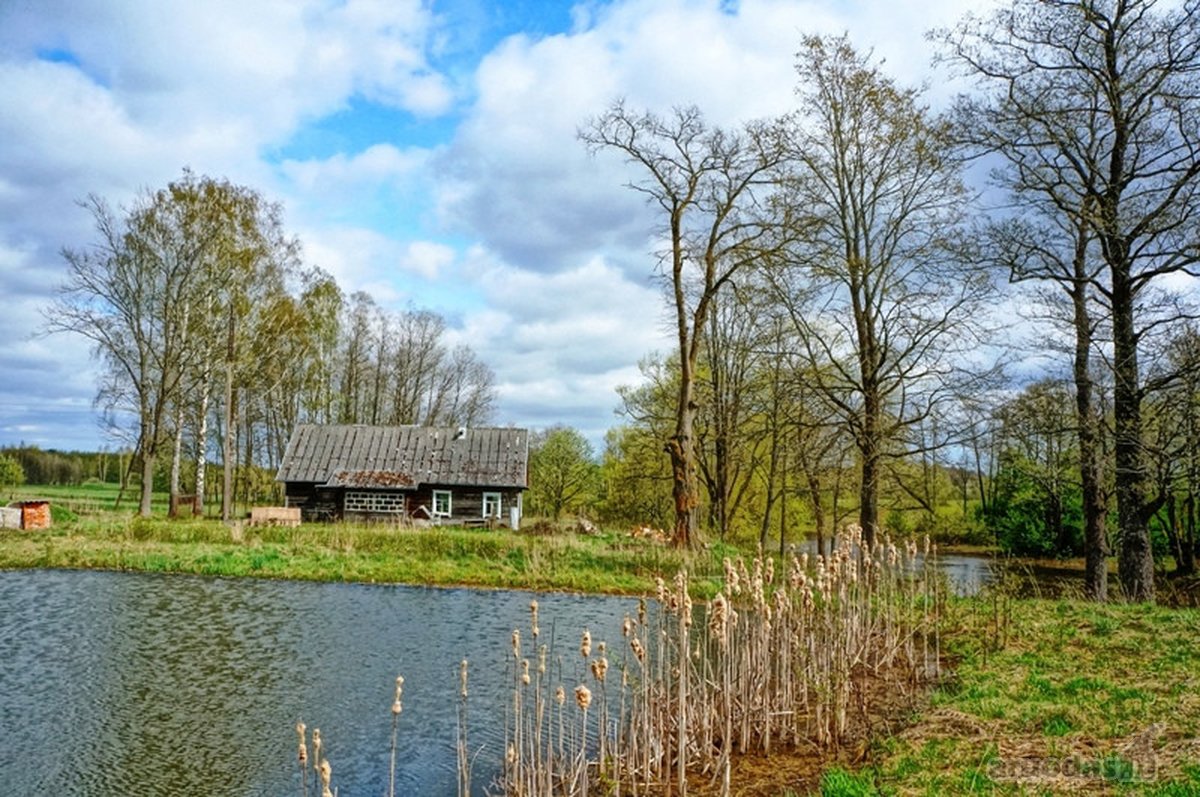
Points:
(884, 308)
(1102, 99)
(146, 292)
(708, 183)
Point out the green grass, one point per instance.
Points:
(90, 498)
(1080, 698)
(606, 563)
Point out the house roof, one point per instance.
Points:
(403, 457)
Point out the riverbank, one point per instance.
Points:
(1053, 697)
(604, 563)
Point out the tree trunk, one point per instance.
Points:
(227, 450)
(1095, 542)
(176, 459)
(1174, 535)
(1136, 561)
(202, 439)
(1187, 563)
(683, 489)
(814, 498)
(144, 507)
(868, 490)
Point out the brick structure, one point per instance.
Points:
(34, 513)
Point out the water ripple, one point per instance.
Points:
(116, 683)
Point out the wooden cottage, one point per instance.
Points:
(468, 476)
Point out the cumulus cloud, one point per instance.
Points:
(562, 343)
(533, 248)
(520, 179)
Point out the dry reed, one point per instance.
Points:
(780, 659)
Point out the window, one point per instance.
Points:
(441, 503)
(491, 505)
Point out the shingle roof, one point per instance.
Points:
(405, 456)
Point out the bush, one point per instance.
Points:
(11, 472)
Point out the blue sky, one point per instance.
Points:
(423, 151)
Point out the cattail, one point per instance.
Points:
(583, 697)
(302, 754)
(560, 695)
(326, 773)
(600, 668)
(770, 570)
(525, 671)
(533, 612)
(642, 611)
(627, 626)
(396, 707)
(462, 679)
(731, 577)
(542, 660)
(511, 755)
(516, 644)
(639, 651)
(585, 644)
(316, 744)
(718, 617)
(660, 589)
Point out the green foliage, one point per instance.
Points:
(1028, 520)
(563, 474)
(635, 479)
(11, 472)
(47, 467)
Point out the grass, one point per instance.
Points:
(1078, 697)
(611, 562)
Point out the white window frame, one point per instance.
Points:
(499, 499)
(449, 503)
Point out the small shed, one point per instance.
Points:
(30, 513)
(451, 475)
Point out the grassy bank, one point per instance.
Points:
(605, 563)
(1050, 697)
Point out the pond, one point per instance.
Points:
(114, 683)
(118, 683)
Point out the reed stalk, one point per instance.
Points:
(783, 658)
(397, 707)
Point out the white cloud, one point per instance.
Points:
(554, 249)
(561, 343)
(426, 258)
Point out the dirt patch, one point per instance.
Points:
(883, 709)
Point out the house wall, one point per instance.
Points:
(324, 504)
(466, 503)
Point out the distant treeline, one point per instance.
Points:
(51, 466)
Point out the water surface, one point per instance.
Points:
(119, 683)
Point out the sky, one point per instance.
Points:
(424, 152)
